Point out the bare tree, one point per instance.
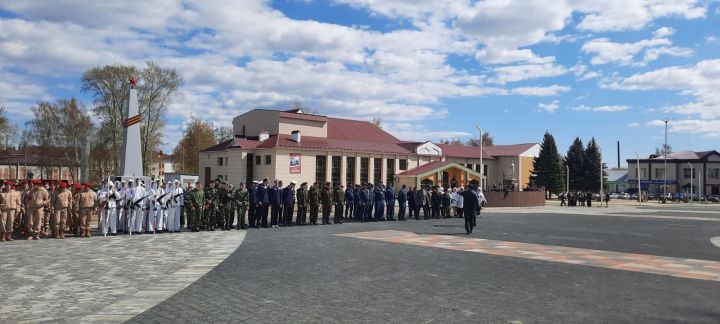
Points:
(223, 134)
(60, 130)
(8, 132)
(377, 121)
(487, 140)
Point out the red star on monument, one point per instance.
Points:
(133, 82)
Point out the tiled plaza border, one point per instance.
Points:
(668, 266)
(131, 306)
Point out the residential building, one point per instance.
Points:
(703, 168)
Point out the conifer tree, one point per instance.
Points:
(548, 168)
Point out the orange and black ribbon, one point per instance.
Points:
(132, 121)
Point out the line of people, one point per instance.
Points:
(51, 209)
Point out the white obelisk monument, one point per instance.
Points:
(131, 164)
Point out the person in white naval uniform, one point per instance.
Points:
(151, 208)
(129, 206)
(139, 201)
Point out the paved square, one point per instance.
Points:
(677, 267)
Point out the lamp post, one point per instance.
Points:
(691, 182)
(482, 170)
(637, 156)
(664, 200)
(567, 180)
(601, 176)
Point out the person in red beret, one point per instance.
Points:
(62, 201)
(10, 206)
(38, 199)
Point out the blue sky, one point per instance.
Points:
(430, 69)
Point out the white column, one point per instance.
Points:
(357, 168)
(371, 169)
(328, 167)
(383, 168)
(343, 170)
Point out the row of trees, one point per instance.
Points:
(487, 140)
(583, 162)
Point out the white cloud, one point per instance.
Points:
(616, 108)
(549, 107)
(633, 125)
(700, 81)
(617, 15)
(547, 91)
(604, 51)
(513, 73)
(421, 132)
(691, 126)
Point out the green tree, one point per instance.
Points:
(548, 168)
(575, 160)
(591, 166)
(198, 136)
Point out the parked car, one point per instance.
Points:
(713, 198)
(614, 195)
(634, 196)
(625, 196)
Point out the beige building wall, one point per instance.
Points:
(256, 121)
(306, 127)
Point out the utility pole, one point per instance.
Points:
(567, 180)
(664, 200)
(601, 176)
(637, 156)
(691, 182)
(482, 170)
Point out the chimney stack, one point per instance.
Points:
(296, 136)
(264, 135)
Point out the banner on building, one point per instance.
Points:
(295, 165)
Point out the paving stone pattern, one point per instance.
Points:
(103, 279)
(676, 267)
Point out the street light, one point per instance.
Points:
(637, 156)
(482, 170)
(567, 180)
(601, 176)
(691, 182)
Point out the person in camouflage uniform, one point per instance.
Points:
(241, 204)
(326, 199)
(338, 198)
(211, 202)
(228, 205)
(301, 196)
(195, 202)
(314, 202)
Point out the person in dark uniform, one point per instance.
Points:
(275, 198)
(369, 204)
(264, 200)
(362, 199)
(390, 202)
(562, 199)
(435, 202)
(288, 199)
(356, 210)
(471, 207)
(349, 201)
(379, 201)
(326, 202)
(302, 202)
(255, 205)
(411, 202)
(402, 200)
(588, 199)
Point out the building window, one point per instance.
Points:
(220, 161)
(320, 168)
(258, 160)
(403, 164)
(659, 173)
(335, 170)
(714, 173)
(687, 174)
(485, 169)
(377, 172)
(226, 160)
(364, 170)
(477, 168)
(268, 159)
(350, 171)
(390, 174)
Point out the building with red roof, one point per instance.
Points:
(292, 145)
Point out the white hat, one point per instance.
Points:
(293, 182)
(177, 180)
(111, 184)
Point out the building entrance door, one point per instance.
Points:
(208, 175)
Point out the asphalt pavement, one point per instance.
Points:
(310, 275)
